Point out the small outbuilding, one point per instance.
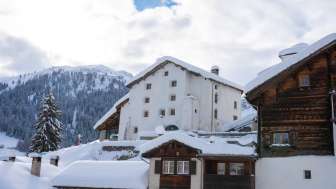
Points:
(186, 161)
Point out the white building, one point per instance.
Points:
(174, 93)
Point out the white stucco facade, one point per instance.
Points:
(194, 104)
(288, 172)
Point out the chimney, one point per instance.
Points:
(54, 160)
(215, 70)
(36, 164)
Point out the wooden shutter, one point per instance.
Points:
(192, 167)
(292, 138)
(268, 139)
(175, 167)
(158, 166)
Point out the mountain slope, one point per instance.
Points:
(82, 93)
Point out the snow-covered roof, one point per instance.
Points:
(104, 174)
(111, 111)
(245, 121)
(290, 61)
(211, 146)
(187, 66)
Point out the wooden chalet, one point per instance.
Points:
(108, 125)
(294, 104)
(181, 161)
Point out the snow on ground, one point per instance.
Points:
(17, 176)
(92, 151)
(7, 142)
(130, 174)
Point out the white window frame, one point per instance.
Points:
(183, 167)
(279, 138)
(168, 167)
(221, 168)
(237, 169)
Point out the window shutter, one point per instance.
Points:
(292, 138)
(268, 139)
(157, 168)
(175, 167)
(192, 167)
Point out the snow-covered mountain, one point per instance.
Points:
(83, 93)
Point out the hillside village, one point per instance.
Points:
(182, 127)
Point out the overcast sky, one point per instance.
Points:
(242, 37)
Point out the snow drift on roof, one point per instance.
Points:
(111, 111)
(290, 61)
(104, 174)
(187, 66)
(212, 145)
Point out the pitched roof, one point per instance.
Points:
(185, 65)
(98, 174)
(111, 111)
(287, 63)
(212, 145)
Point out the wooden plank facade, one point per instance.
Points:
(297, 104)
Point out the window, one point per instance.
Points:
(146, 113)
(235, 117)
(172, 97)
(168, 167)
(195, 111)
(304, 81)
(172, 111)
(147, 100)
(173, 83)
(220, 168)
(215, 113)
(162, 112)
(215, 86)
(182, 167)
(216, 98)
(236, 169)
(307, 174)
(235, 105)
(280, 138)
(135, 129)
(148, 86)
(166, 73)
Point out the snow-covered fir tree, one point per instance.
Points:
(48, 127)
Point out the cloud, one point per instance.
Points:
(18, 55)
(242, 37)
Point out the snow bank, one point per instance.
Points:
(92, 151)
(17, 176)
(7, 142)
(104, 174)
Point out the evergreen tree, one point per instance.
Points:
(48, 127)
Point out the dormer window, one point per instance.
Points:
(173, 83)
(148, 86)
(304, 80)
